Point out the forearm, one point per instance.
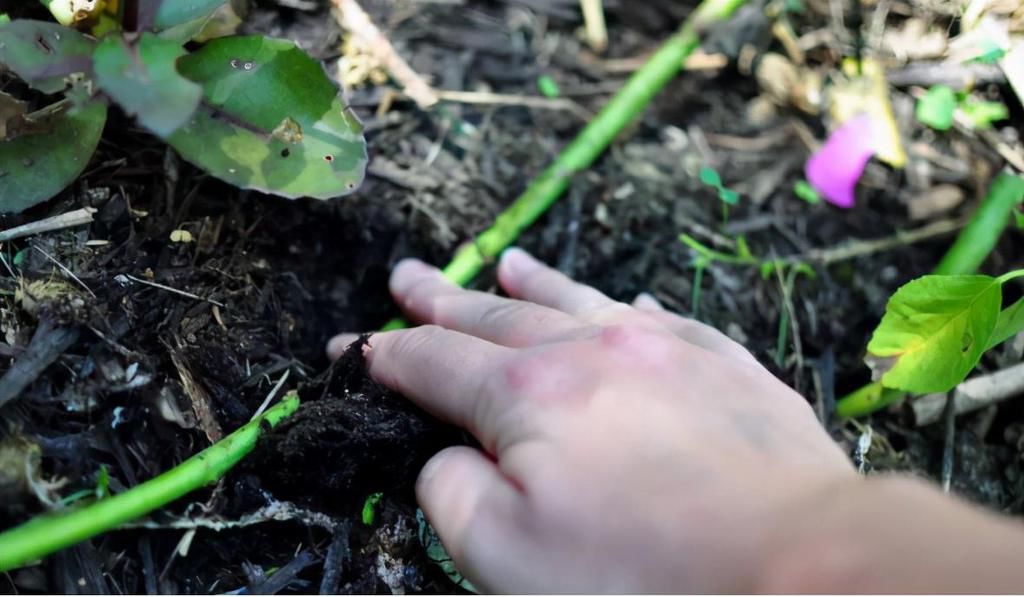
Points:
(894, 535)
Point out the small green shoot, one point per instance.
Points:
(369, 513)
(710, 177)
(548, 87)
(989, 52)
(937, 107)
(982, 114)
(936, 328)
(100, 491)
(805, 191)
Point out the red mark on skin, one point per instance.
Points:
(551, 378)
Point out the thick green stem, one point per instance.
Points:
(981, 234)
(547, 187)
(973, 245)
(48, 533)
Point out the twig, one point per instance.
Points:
(974, 394)
(66, 271)
(353, 18)
(620, 111)
(861, 248)
(593, 20)
(47, 344)
(270, 396)
(173, 290)
(78, 217)
(275, 511)
(948, 443)
(503, 99)
(47, 534)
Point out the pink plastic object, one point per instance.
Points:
(839, 164)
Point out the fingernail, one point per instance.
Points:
(339, 344)
(429, 470)
(518, 262)
(646, 302)
(408, 272)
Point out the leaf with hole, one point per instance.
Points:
(934, 331)
(144, 80)
(35, 167)
(42, 54)
(270, 120)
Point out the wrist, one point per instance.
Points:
(891, 534)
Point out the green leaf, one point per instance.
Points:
(728, 196)
(934, 331)
(42, 54)
(164, 14)
(370, 508)
(989, 52)
(35, 167)
(805, 191)
(710, 177)
(4, 18)
(144, 80)
(270, 120)
(548, 86)
(1009, 324)
(936, 108)
(983, 114)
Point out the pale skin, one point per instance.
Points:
(628, 449)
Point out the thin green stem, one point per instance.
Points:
(1017, 273)
(712, 255)
(591, 142)
(698, 281)
(48, 533)
(974, 244)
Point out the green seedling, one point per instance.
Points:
(805, 191)
(256, 112)
(972, 246)
(710, 177)
(787, 271)
(369, 513)
(548, 87)
(937, 109)
(100, 491)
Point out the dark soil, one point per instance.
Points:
(143, 377)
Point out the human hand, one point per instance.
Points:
(624, 448)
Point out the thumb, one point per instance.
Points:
(469, 503)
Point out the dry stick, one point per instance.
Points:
(593, 19)
(353, 18)
(550, 184)
(974, 394)
(71, 219)
(503, 99)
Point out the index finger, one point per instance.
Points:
(449, 374)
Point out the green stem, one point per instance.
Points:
(1017, 273)
(981, 234)
(973, 245)
(621, 110)
(48, 533)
